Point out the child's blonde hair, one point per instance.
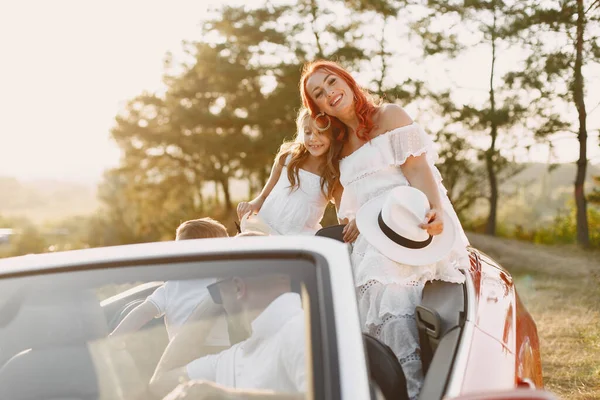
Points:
(329, 171)
(202, 228)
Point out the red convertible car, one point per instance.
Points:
(56, 311)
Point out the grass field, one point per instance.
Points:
(560, 286)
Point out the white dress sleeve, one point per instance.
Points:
(413, 141)
(409, 141)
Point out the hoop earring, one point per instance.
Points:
(322, 114)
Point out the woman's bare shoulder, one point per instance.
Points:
(391, 116)
(395, 114)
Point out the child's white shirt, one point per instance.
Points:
(176, 300)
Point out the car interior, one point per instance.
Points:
(440, 319)
(55, 327)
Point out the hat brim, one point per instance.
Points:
(253, 222)
(438, 249)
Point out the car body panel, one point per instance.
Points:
(500, 336)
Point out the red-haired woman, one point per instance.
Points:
(385, 150)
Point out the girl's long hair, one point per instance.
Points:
(329, 170)
(364, 105)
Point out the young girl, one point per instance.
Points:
(304, 178)
(385, 149)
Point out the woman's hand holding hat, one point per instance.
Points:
(433, 222)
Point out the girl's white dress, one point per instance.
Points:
(388, 292)
(297, 211)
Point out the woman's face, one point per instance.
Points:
(316, 143)
(331, 93)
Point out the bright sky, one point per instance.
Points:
(68, 66)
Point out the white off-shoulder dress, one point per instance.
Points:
(297, 211)
(388, 292)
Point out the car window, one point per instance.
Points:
(244, 324)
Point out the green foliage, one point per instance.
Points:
(561, 230)
(594, 196)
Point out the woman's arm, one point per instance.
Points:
(418, 173)
(350, 231)
(254, 205)
(417, 170)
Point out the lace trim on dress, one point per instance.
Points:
(365, 174)
(370, 265)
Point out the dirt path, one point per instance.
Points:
(560, 286)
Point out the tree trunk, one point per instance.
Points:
(200, 199)
(490, 228)
(583, 237)
(225, 186)
(217, 195)
(382, 55)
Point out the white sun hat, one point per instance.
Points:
(252, 222)
(390, 223)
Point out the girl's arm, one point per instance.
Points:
(419, 175)
(254, 205)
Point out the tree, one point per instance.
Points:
(504, 115)
(564, 41)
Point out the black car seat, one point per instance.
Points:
(332, 232)
(50, 332)
(385, 370)
(441, 310)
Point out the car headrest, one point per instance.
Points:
(332, 232)
(47, 318)
(57, 373)
(384, 369)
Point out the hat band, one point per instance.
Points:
(401, 240)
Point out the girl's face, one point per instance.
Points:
(331, 93)
(316, 142)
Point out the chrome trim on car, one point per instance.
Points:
(457, 375)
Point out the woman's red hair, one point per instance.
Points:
(364, 105)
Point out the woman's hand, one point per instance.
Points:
(350, 232)
(249, 206)
(434, 222)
